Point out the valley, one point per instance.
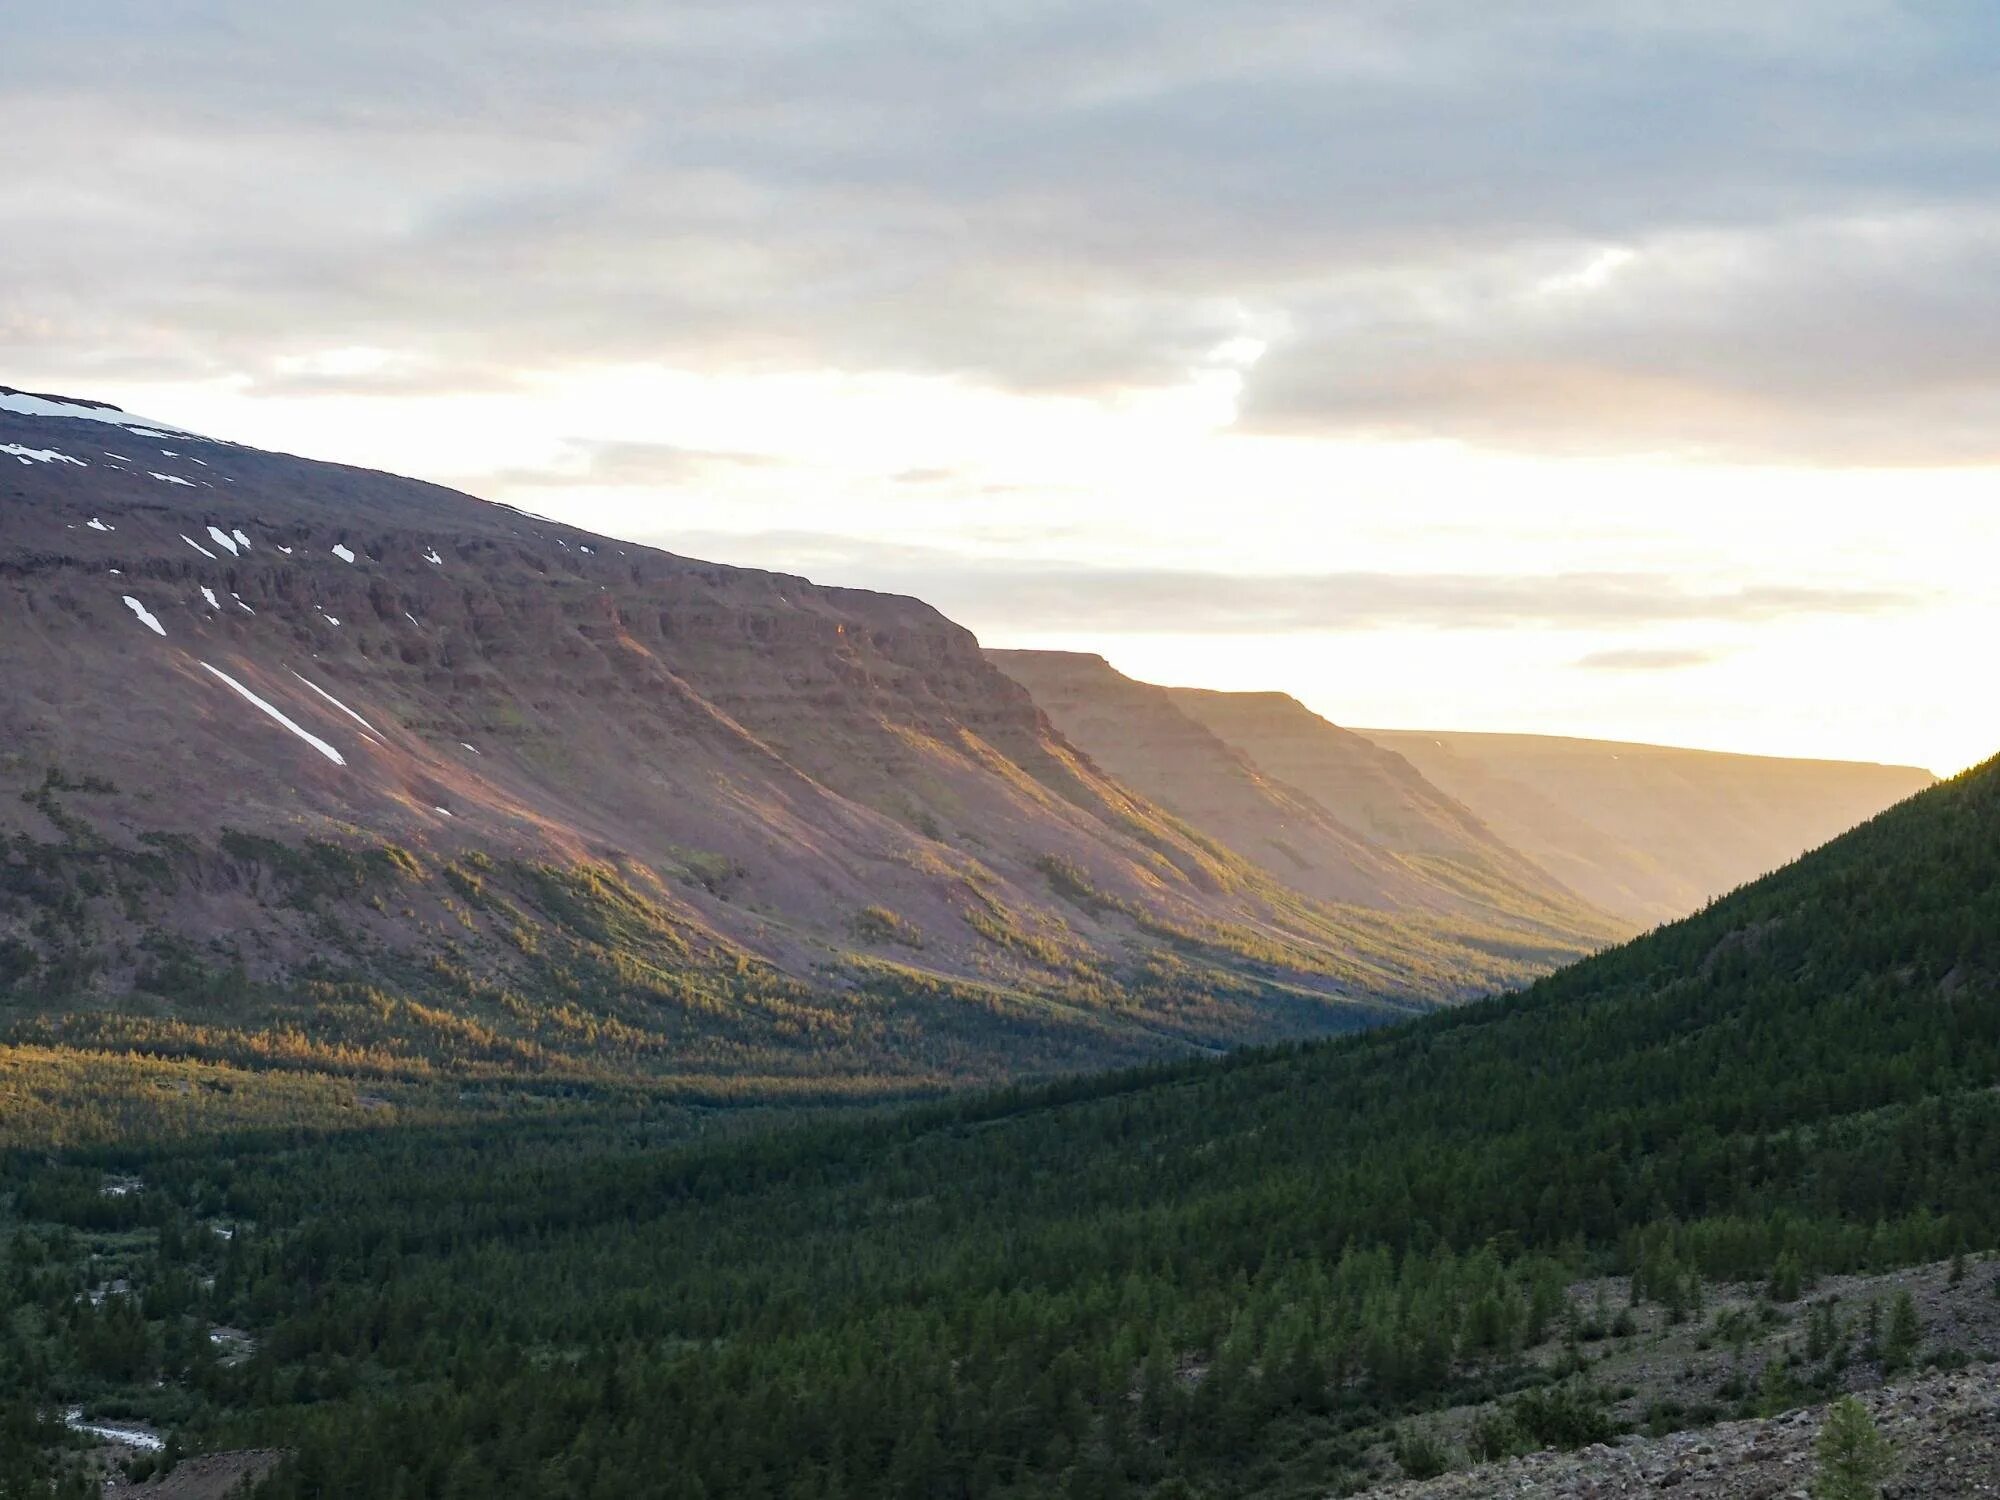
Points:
(897, 1067)
(1262, 1273)
(798, 751)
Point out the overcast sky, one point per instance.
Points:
(1616, 367)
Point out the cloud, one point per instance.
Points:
(1872, 339)
(998, 594)
(1404, 198)
(592, 463)
(1643, 659)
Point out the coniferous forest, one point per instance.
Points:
(1211, 1278)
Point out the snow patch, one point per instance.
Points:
(336, 703)
(286, 550)
(96, 525)
(241, 540)
(40, 455)
(23, 404)
(328, 618)
(431, 556)
(209, 594)
(146, 616)
(240, 604)
(342, 553)
(473, 748)
(198, 547)
(276, 713)
(445, 810)
(223, 540)
(172, 479)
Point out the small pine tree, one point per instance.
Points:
(1854, 1457)
(1899, 1345)
(1787, 1279)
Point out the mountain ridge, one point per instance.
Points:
(1650, 831)
(318, 752)
(1179, 749)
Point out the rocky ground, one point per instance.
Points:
(210, 1477)
(1744, 1351)
(1945, 1429)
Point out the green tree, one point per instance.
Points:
(1899, 1346)
(1854, 1458)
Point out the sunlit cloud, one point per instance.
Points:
(1644, 659)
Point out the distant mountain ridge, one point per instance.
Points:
(325, 767)
(1320, 808)
(1647, 831)
(1591, 838)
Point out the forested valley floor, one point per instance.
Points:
(1626, 1198)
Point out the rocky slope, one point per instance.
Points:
(1745, 1352)
(1643, 831)
(1322, 809)
(1945, 1429)
(309, 763)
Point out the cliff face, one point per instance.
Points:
(1318, 807)
(1649, 832)
(307, 752)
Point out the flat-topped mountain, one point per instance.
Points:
(321, 764)
(1379, 793)
(1318, 807)
(1645, 831)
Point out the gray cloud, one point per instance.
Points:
(1076, 198)
(996, 595)
(1645, 659)
(591, 462)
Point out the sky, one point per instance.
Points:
(1623, 368)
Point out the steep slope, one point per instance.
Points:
(306, 763)
(1246, 1277)
(1170, 746)
(1377, 792)
(1647, 831)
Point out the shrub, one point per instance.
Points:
(1420, 1454)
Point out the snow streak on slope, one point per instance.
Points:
(276, 713)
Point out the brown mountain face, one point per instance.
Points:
(1388, 800)
(1324, 810)
(309, 764)
(1648, 832)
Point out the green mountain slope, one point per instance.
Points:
(1206, 1278)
